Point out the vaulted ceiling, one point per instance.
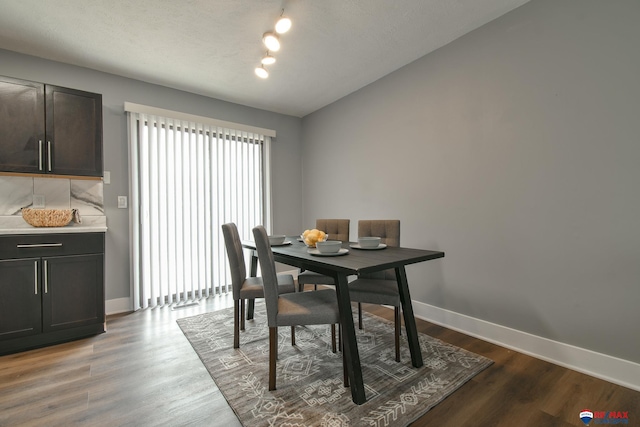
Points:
(211, 47)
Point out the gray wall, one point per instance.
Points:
(115, 91)
(515, 150)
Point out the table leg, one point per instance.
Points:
(409, 319)
(251, 304)
(253, 271)
(349, 343)
(253, 266)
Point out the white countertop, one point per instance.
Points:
(17, 225)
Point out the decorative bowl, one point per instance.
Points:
(329, 246)
(369, 242)
(47, 217)
(276, 239)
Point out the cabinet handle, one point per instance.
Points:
(49, 155)
(35, 277)
(39, 154)
(40, 245)
(46, 278)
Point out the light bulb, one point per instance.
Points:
(268, 59)
(261, 72)
(271, 41)
(283, 25)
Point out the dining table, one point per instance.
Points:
(353, 262)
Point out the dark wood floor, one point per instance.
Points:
(143, 372)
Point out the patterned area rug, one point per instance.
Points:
(309, 376)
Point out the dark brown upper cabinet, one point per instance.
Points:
(21, 126)
(47, 129)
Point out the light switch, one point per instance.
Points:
(122, 202)
(106, 178)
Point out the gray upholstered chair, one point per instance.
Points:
(244, 287)
(380, 287)
(337, 229)
(300, 308)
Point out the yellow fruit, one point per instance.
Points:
(312, 236)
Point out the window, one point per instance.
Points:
(188, 177)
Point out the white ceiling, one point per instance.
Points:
(211, 47)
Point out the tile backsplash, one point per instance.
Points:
(17, 193)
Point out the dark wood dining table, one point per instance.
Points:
(355, 262)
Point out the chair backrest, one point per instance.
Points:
(269, 275)
(387, 229)
(337, 229)
(389, 232)
(236, 257)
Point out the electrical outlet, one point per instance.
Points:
(38, 201)
(122, 202)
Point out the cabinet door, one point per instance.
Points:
(20, 303)
(73, 291)
(74, 132)
(21, 126)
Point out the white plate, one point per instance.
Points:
(283, 244)
(357, 246)
(314, 251)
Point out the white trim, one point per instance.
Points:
(118, 305)
(134, 207)
(154, 111)
(603, 366)
(268, 202)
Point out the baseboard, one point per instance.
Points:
(118, 305)
(599, 365)
(124, 305)
(608, 368)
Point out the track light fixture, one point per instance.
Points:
(268, 59)
(271, 41)
(261, 72)
(284, 24)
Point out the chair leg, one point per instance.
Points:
(397, 331)
(360, 315)
(293, 335)
(333, 338)
(242, 314)
(236, 324)
(339, 337)
(273, 348)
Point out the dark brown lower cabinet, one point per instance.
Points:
(20, 298)
(56, 294)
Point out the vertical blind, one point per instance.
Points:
(189, 175)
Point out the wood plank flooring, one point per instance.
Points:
(143, 372)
